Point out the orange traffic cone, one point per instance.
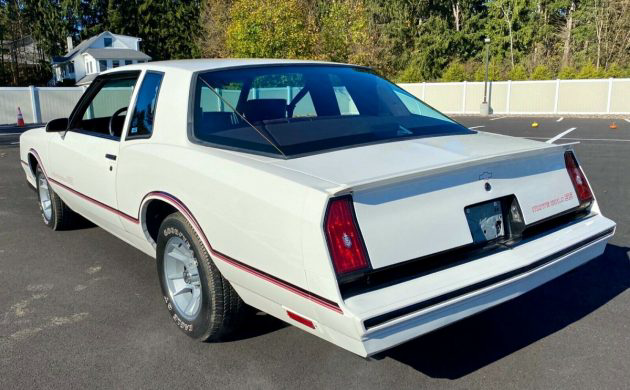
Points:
(613, 125)
(20, 118)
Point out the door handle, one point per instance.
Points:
(110, 156)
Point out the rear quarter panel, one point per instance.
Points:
(245, 211)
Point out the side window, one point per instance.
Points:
(144, 112)
(107, 107)
(412, 104)
(415, 106)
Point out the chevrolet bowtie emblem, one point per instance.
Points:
(485, 176)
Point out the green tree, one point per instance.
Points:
(590, 71)
(271, 29)
(541, 72)
(345, 34)
(214, 20)
(169, 28)
(455, 72)
(494, 71)
(510, 26)
(617, 71)
(567, 73)
(518, 73)
(398, 24)
(404, 39)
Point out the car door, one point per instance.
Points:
(83, 159)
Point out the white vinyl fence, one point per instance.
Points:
(38, 104)
(594, 97)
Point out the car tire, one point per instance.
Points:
(55, 213)
(200, 301)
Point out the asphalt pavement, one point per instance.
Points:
(10, 134)
(82, 309)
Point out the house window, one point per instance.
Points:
(102, 64)
(108, 42)
(128, 62)
(140, 61)
(71, 67)
(89, 67)
(115, 63)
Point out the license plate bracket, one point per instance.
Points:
(486, 221)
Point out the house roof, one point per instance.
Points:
(77, 49)
(87, 79)
(21, 42)
(125, 54)
(85, 45)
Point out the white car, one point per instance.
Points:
(316, 192)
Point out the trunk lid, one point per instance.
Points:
(410, 197)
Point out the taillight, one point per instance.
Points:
(583, 191)
(345, 243)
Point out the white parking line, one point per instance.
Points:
(570, 139)
(14, 143)
(557, 137)
(627, 120)
(476, 127)
(586, 139)
(501, 117)
(10, 133)
(560, 119)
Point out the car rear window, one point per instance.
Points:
(288, 111)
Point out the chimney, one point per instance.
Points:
(69, 43)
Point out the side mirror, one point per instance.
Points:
(55, 125)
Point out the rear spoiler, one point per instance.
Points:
(438, 169)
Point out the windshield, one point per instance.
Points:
(295, 110)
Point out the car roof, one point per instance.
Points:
(216, 63)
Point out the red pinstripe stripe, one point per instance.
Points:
(181, 207)
(261, 274)
(294, 289)
(96, 202)
(83, 196)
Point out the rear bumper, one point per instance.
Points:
(393, 315)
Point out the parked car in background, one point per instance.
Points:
(316, 192)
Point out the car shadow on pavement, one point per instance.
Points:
(256, 324)
(468, 345)
(79, 223)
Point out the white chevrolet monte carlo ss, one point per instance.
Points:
(316, 192)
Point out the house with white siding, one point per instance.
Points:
(81, 64)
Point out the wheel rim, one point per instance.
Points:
(44, 197)
(182, 277)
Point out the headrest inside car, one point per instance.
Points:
(264, 109)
